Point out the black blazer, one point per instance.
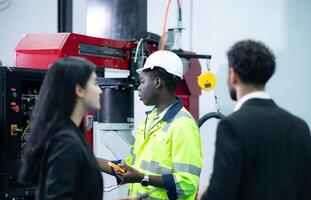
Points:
(262, 153)
(69, 170)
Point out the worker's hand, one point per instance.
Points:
(118, 176)
(131, 175)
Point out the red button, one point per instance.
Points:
(15, 108)
(13, 89)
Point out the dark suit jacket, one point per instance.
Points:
(69, 168)
(262, 153)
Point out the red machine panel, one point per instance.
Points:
(188, 91)
(38, 51)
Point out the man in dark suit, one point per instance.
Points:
(262, 151)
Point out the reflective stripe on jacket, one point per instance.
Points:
(170, 147)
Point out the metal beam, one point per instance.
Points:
(64, 16)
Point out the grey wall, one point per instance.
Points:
(23, 17)
(33, 16)
(292, 84)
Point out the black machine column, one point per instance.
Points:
(64, 22)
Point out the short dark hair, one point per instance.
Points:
(170, 80)
(253, 61)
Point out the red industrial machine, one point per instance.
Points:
(38, 51)
(33, 56)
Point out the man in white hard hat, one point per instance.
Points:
(166, 160)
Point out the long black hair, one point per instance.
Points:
(53, 108)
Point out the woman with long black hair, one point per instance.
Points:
(57, 158)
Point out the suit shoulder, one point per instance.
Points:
(239, 116)
(295, 119)
(258, 114)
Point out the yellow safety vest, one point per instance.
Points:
(170, 147)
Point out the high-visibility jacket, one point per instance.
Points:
(169, 147)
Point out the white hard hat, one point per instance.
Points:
(166, 60)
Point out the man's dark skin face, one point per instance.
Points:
(147, 89)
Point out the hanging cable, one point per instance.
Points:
(179, 15)
(178, 2)
(25, 133)
(115, 187)
(207, 116)
(137, 49)
(207, 81)
(164, 25)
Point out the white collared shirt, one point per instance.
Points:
(252, 95)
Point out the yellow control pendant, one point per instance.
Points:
(207, 81)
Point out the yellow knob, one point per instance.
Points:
(207, 81)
